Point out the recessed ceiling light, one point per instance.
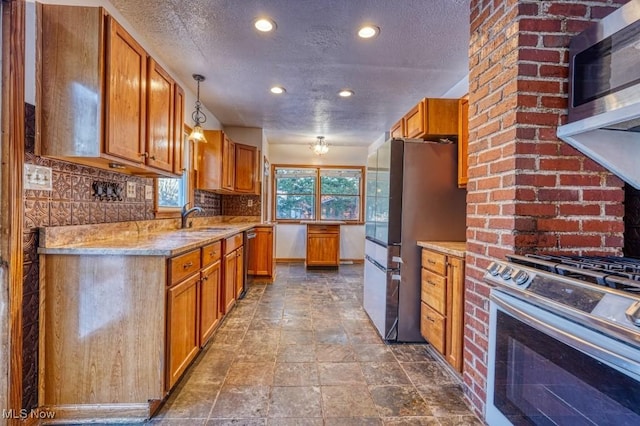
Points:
(345, 93)
(368, 31)
(264, 25)
(277, 90)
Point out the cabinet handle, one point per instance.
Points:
(431, 261)
(431, 319)
(146, 155)
(187, 265)
(213, 253)
(205, 278)
(431, 282)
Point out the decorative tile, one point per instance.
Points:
(61, 186)
(30, 246)
(110, 212)
(29, 127)
(36, 214)
(81, 213)
(97, 213)
(59, 213)
(81, 187)
(124, 212)
(30, 281)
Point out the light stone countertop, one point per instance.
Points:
(453, 248)
(135, 238)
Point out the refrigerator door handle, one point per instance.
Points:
(397, 259)
(395, 277)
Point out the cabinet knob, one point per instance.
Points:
(187, 265)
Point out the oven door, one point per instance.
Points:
(546, 370)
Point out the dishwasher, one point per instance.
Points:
(248, 235)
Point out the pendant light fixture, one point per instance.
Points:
(320, 147)
(198, 116)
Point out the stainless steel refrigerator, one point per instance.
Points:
(411, 195)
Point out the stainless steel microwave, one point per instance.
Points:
(604, 93)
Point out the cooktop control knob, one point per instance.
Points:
(633, 313)
(506, 272)
(520, 277)
(494, 268)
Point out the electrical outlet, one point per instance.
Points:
(37, 177)
(131, 190)
(249, 203)
(148, 192)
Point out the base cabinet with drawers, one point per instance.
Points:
(442, 301)
(261, 249)
(323, 245)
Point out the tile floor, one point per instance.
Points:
(301, 351)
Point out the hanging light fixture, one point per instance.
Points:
(320, 147)
(198, 116)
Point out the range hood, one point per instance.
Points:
(604, 93)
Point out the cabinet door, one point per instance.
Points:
(245, 178)
(261, 253)
(125, 109)
(397, 130)
(160, 115)
(323, 249)
(178, 130)
(228, 164)
(463, 142)
(182, 327)
(414, 121)
(229, 281)
(432, 327)
(209, 161)
(209, 303)
(455, 312)
(239, 271)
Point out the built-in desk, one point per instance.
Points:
(323, 243)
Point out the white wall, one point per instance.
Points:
(291, 238)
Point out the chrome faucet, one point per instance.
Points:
(185, 213)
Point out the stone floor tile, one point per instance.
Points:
(175, 422)
(296, 353)
(395, 401)
(296, 337)
(353, 421)
(335, 336)
(411, 353)
(384, 373)
(340, 373)
(317, 421)
(243, 373)
(410, 421)
(373, 353)
(188, 403)
(445, 401)
(289, 323)
(296, 374)
(295, 401)
(469, 420)
(428, 373)
(347, 401)
(236, 422)
(241, 402)
(334, 353)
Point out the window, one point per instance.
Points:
(172, 193)
(309, 193)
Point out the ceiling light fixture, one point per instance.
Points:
(278, 90)
(198, 116)
(345, 93)
(368, 31)
(320, 147)
(264, 25)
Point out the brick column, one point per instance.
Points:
(528, 191)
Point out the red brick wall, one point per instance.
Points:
(527, 190)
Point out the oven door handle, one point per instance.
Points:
(575, 339)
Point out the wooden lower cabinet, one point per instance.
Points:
(323, 245)
(233, 270)
(261, 249)
(442, 307)
(210, 314)
(239, 271)
(183, 338)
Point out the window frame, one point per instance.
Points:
(188, 173)
(318, 193)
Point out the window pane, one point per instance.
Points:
(336, 207)
(340, 185)
(296, 185)
(170, 192)
(295, 206)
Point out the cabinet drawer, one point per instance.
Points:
(432, 327)
(435, 262)
(232, 243)
(211, 253)
(184, 265)
(323, 229)
(434, 289)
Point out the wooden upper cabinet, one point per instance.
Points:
(245, 168)
(209, 161)
(160, 118)
(463, 143)
(178, 130)
(397, 130)
(432, 118)
(101, 100)
(125, 107)
(228, 164)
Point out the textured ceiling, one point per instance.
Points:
(421, 51)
